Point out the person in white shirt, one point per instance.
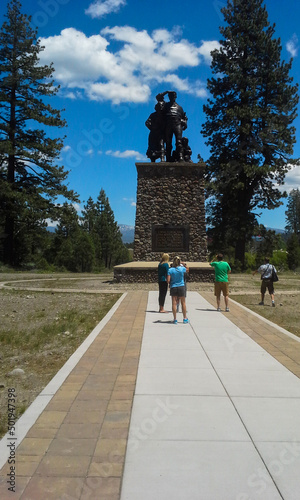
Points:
(266, 271)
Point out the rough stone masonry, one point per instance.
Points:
(170, 212)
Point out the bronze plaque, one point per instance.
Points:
(170, 238)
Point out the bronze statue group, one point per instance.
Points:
(167, 121)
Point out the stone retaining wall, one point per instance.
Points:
(131, 275)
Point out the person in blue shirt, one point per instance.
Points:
(163, 268)
(177, 289)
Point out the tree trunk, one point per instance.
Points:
(8, 247)
(8, 250)
(240, 249)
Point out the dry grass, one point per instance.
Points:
(245, 289)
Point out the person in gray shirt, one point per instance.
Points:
(266, 271)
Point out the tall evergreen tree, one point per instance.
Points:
(90, 224)
(249, 123)
(108, 230)
(73, 248)
(90, 214)
(293, 213)
(29, 179)
(293, 252)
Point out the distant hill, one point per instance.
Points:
(281, 231)
(127, 233)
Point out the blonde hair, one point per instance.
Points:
(176, 261)
(165, 257)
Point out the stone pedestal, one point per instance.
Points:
(170, 213)
(170, 218)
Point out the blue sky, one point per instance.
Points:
(111, 58)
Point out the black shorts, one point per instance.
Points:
(267, 284)
(177, 291)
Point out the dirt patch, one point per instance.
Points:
(285, 313)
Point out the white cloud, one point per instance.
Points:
(88, 66)
(118, 92)
(159, 52)
(77, 58)
(73, 95)
(101, 8)
(206, 49)
(292, 179)
(131, 201)
(129, 153)
(196, 87)
(51, 223)
(77, 207)
(292, 45)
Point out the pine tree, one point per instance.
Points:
(293, 252)
(67, 228)
(98, 221)
(249, 123)
(29, 179)
(90, 214)
(73, 248)
(108, 230)
(293, 213)
(90, 218)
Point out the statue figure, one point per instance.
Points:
(156, 125)
(187, 152)
(167, 121)
(176, 122)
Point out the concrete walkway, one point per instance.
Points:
(152, 410)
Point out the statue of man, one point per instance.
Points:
(156, 124)
(175, 122)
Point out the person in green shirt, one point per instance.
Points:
(222, 269)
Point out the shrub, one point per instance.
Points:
(250, 260)
(279, 260)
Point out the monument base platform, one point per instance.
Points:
(146, 272)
